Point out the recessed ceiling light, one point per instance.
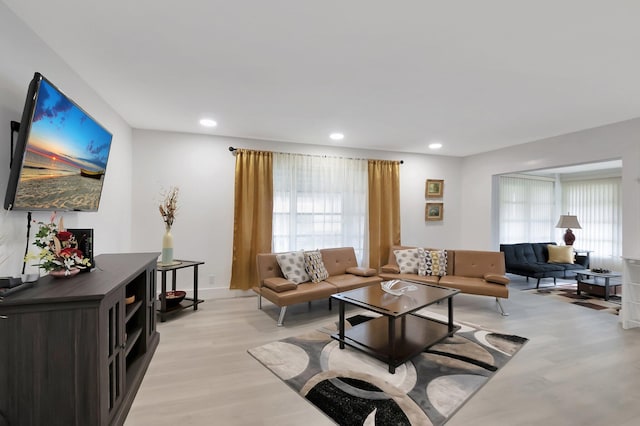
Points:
(207, 122)
(435, 145)
(336, 136)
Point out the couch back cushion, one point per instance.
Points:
(337, 260)
(541, 251)
(522, 253)
(268, 267)
(474, 264)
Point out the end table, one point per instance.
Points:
(178, 264)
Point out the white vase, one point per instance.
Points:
(167, 247)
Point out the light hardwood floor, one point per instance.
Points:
(579, 368)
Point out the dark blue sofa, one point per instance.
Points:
(531, 260)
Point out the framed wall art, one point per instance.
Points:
(434, 188)
(433, 211)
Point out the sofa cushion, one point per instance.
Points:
(497, 279)
(361, 271)
(347, 282)
(407, 260)
(314, 267)
(560, 254)
(431, 279)
(432, 262)
(292, 266)
(279, 284)
(392, 269)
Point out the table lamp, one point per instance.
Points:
(568, 221)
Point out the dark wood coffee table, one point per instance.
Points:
(397, 335)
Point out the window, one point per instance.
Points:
(527, 209)
(319, 202)
(598, 205)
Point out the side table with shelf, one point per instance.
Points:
(598, 283)
(188, 302)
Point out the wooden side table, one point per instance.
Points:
(187, 302)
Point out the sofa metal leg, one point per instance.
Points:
(502, 312)
(554, 281)
(538, 284)
(329, 303)
(259, 301)
(283, 310)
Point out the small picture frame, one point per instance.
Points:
(433, 211)
(434, 188)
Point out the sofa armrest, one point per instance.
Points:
(279, 284)
(496, 278)
(361, 272)
(391, 269)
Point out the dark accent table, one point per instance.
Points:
(397, 335)
(597, 283)
(187, 302)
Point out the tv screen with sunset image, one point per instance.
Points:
(63, 157)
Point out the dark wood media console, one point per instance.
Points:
(72, 352)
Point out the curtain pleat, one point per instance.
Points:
(253, 210)
(384, 210)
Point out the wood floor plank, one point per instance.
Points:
(579, 368)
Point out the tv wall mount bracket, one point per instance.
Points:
(15, 128)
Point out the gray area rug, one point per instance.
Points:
(353, 388)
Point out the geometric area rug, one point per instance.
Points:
(353, 388)
(568, 293)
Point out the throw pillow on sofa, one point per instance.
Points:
(314, 266)
(432, 262)
(292, 266)
(560, 254)
(407, 260)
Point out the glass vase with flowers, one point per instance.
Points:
(168, 209)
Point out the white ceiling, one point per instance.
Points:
(475, 75)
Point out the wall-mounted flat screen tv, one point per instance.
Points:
(61, 154)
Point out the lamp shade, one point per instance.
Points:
(568, 221)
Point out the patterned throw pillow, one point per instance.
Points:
(422, 261)
(314, 266)
(292, 266)
(407, 260)
(432, 262)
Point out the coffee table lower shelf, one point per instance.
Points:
(411, 335)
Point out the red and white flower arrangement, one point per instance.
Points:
(58, 248)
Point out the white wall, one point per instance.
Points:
(203, 168)
(22, 54)
(615, 141)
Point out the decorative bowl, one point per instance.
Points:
(173, 298)
(129, 300)
(61, 273)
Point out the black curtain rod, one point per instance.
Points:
(232, 149)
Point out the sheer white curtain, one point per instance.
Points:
(527, 209)
(598, 205)
(319, 202)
